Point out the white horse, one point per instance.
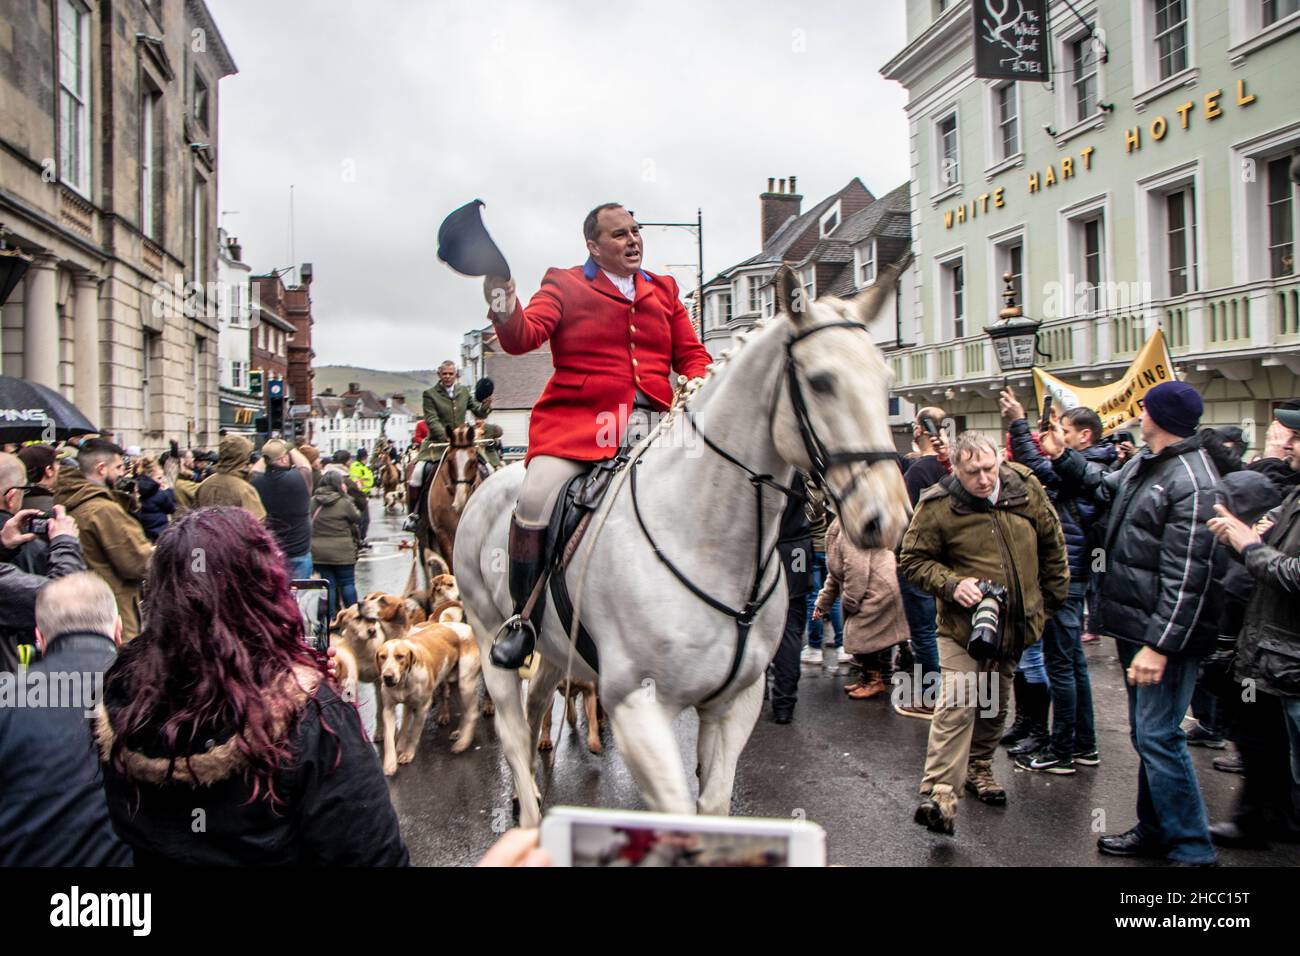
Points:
(808, 390)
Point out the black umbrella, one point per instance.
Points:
(31, 412)
(13, 265)
(464, 244)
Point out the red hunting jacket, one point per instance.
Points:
(603, 348)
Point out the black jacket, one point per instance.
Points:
(795, 545)
(336, 808)
(287, 499)
(1158, 582)
(157, 505)
(53, 811)
(1078, 513)
(18, 587)
(1268, 647)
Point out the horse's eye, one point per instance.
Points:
(822, 383)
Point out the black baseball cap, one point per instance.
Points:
(1288, 413)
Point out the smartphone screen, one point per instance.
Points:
(312, 597)
(602, 838)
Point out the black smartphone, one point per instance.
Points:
(312, 597)
(930, 427)
(1122, 437)
(1045, 421)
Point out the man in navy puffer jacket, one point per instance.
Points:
(1074, 735)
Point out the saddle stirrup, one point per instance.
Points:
(517, 637)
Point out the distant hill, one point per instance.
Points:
(381, 382)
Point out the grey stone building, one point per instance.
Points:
(108, 178)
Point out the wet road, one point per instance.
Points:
(851, 766)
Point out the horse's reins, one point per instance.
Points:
(820, 460)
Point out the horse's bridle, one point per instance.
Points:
(820, 458)
(820, 461)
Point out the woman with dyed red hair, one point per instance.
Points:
(222, 740)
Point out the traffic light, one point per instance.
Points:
(275, 404)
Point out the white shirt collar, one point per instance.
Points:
(997, 490)
(624, 284)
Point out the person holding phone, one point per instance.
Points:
(1154, 596)
(1068, 689)
(219, 704)
(28, 563)
(928, 465)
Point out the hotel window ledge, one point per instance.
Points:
(1014, 161)
(948, 193)
(1187, 77)
(1097, 121)
(1270, 34)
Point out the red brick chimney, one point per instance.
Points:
(776, 206)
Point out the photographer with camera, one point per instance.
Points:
(114, 544)
(987, 543)
(35, 547)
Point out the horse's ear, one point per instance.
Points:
(868, 303)
(790, 298)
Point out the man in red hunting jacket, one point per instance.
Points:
(617, 333)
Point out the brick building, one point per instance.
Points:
(108, 179)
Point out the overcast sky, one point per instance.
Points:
(386, 115)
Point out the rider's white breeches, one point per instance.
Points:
(545, 478)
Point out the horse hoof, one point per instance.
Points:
(595, 747)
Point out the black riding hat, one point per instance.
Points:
(464, 244)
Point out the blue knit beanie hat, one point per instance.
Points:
(1176, 407)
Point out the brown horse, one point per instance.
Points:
(390, 480)
(456, 478)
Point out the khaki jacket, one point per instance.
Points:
(1016, 542)
(230, 487)
(866, 583)
(441, 414)
(112, 541)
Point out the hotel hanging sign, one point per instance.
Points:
(1010, 39)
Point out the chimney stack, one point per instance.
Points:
(234, 250)
(354, 387)
(777, 207)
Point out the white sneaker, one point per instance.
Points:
(811, 655)
(845, 658)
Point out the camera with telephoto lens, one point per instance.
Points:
(985, 641)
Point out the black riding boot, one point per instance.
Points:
(1038, 699)
(1019, 728)
(515, 640)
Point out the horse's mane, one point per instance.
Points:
(711, 371)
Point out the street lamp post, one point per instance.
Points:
(696, 227)
(1015, 337)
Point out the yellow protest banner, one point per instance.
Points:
(1120, 402)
